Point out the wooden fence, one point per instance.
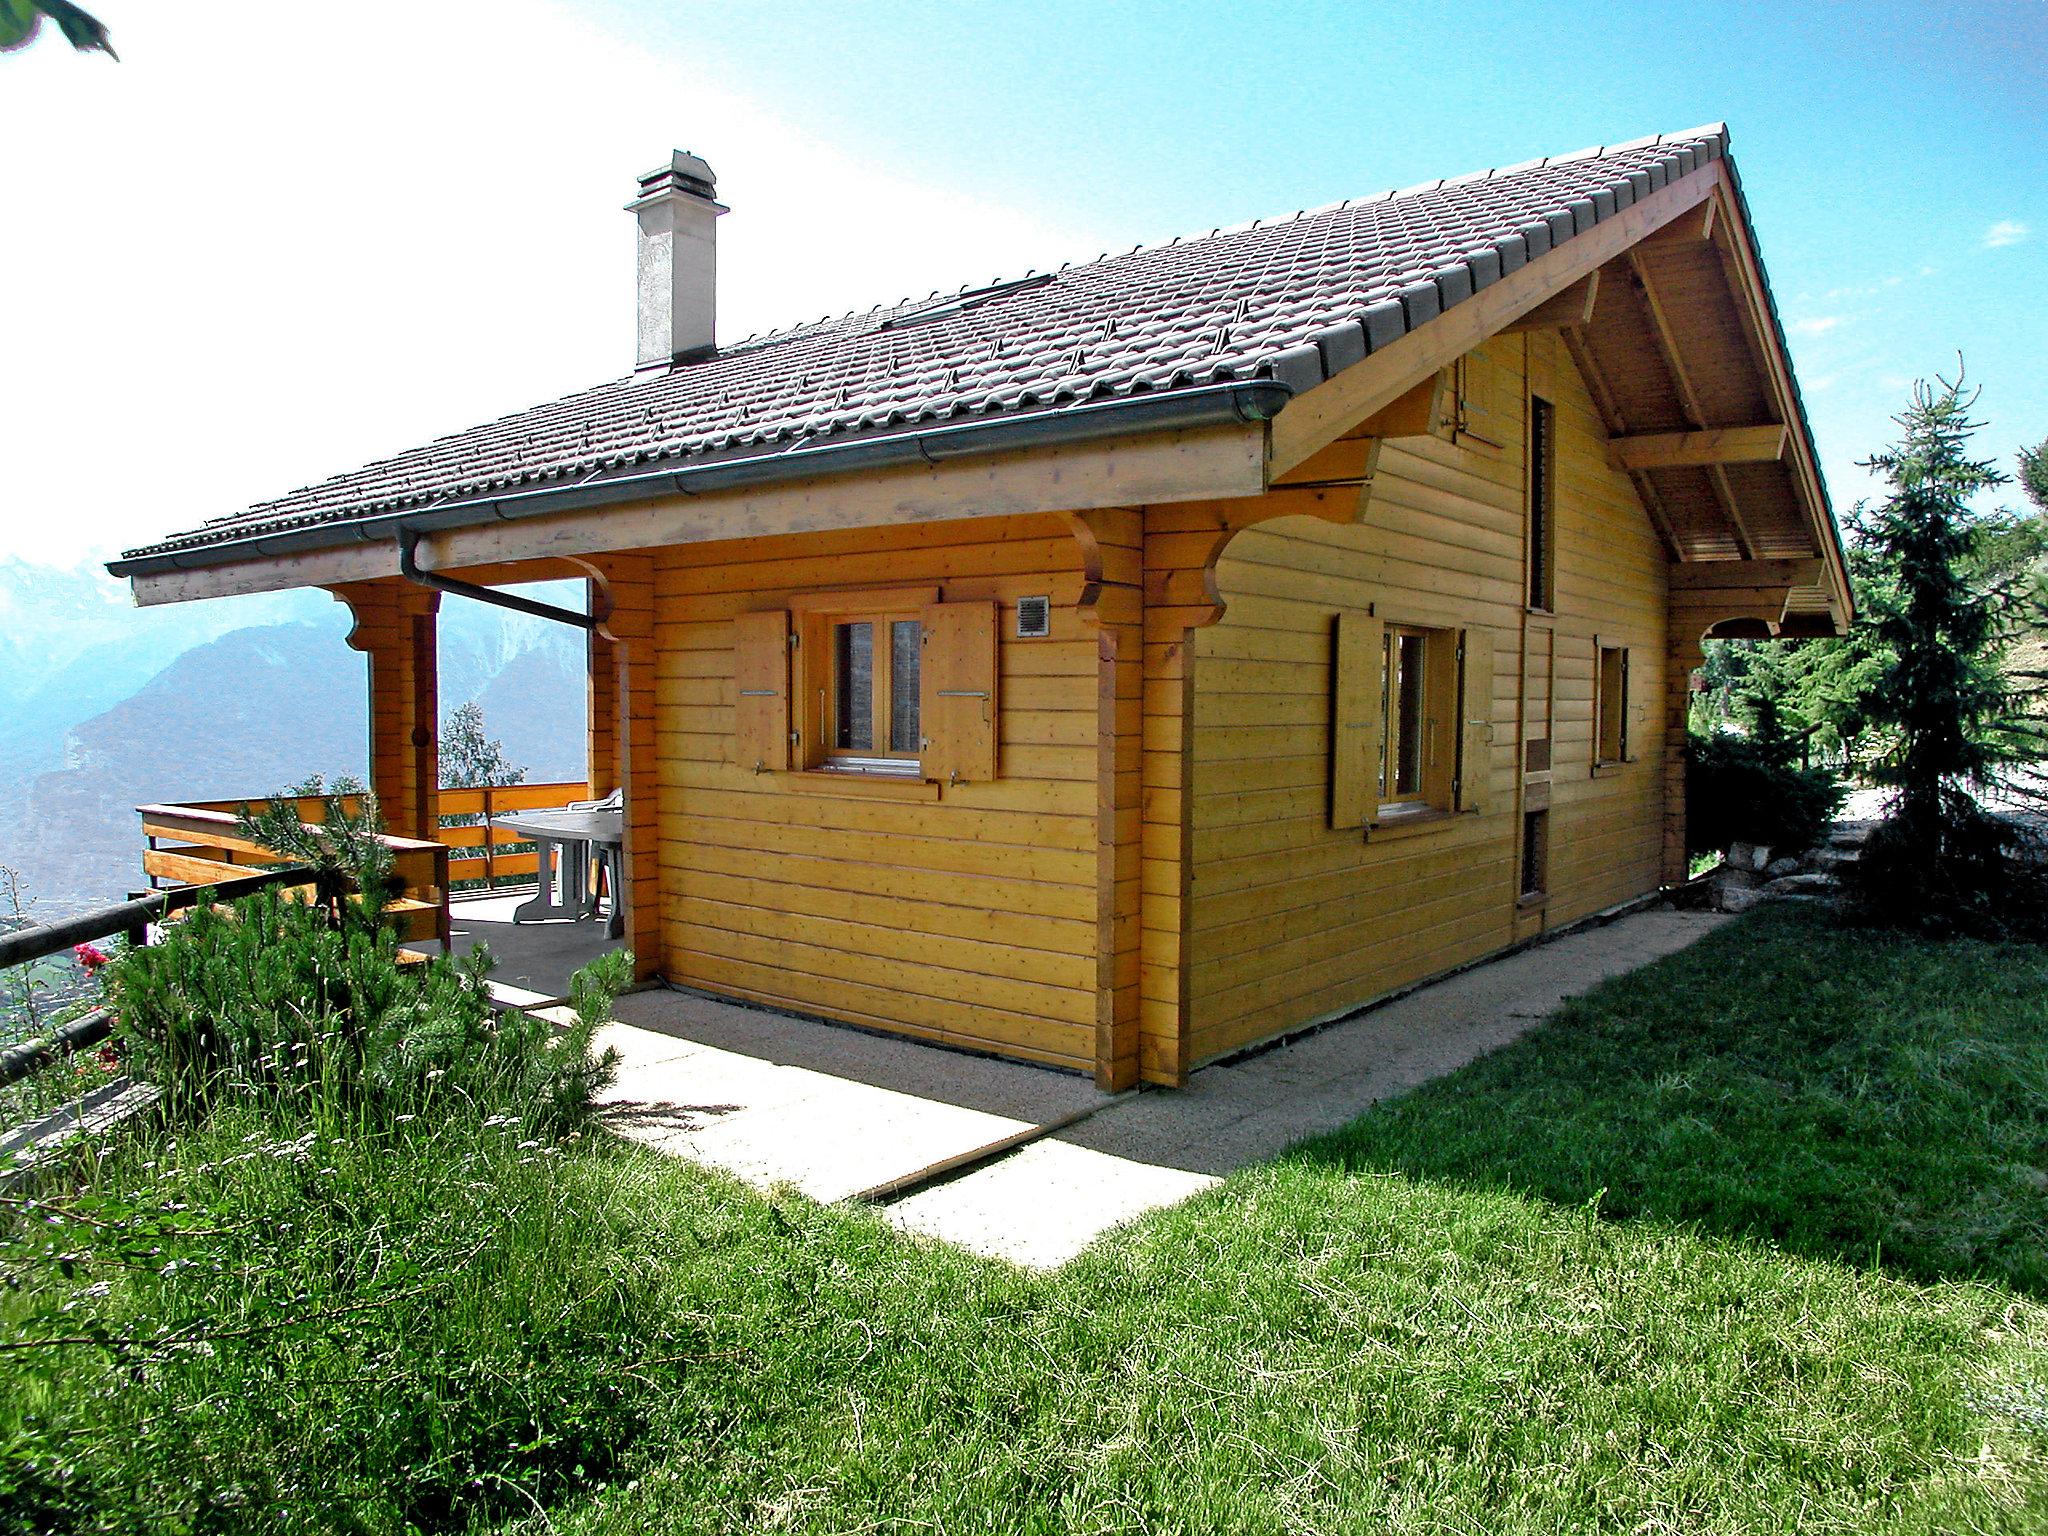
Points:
(478, 851)
(199, 842)
(203, 844)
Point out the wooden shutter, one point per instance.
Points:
(957, 716)
(1355, 719)
(1475, 712)
(761, 713)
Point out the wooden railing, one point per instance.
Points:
(478, 851)
(129, 920)
(202, 843)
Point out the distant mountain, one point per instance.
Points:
(538, 705)
(106, 707)
(242, 715)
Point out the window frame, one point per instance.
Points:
(1438, 713)
(1610, 704)
(819, 617)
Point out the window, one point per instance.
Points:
(873, 708)
(1414, 720)
(1610, 705)
(889, 685)
(1542, 477)
(1411, 721)
(1535, 852)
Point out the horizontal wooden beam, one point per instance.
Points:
(1572, 307)
(1321, 415)
(1716, 445)
(1202, 464)
(1728, 575)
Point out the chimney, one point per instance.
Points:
(678, 261)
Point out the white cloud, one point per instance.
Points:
(1817, 325)
(2005, 232)
(272, 245)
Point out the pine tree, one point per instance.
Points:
(2034, 475)
(1939, 619)
(470, 759)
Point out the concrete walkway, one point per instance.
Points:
(836, 1112)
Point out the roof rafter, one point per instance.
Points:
(1323, 414)
(1611, 416)
(1688, 398)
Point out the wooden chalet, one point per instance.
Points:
(1123, 665)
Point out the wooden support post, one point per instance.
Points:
(1113, 602)
(1683, 656)
(628, 634)
(395, 626)
(601, 768)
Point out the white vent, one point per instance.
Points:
(1034, 617)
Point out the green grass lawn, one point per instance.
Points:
(1750, 1241)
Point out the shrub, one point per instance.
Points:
(273, 998)
(1738, 790)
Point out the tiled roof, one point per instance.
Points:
(1293, 299)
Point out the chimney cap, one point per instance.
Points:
(683, 173)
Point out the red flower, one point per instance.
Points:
(108, 1058)
(92, 959)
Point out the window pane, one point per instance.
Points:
(853, 674)
(1408, 727)
(1535, 851)
(906, 637)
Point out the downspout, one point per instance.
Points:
(409, 568)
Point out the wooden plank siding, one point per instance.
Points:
(968, 913)
(1289, 919)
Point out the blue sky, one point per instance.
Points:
(274, 242)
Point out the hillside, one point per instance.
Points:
(109, 707)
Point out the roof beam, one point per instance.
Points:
(1581, 352)
(1321, 415)
(1688, 398)
(1740, 260)
(1716, 445)
(1723, 575)
(1194, 465)
(1572, 307)
(1700, 227)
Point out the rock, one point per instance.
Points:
(1798, 885)
(1738, 898)
(1850, 834)
(1748, 856)
(1778, 869)
(1833, 861)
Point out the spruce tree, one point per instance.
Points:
(1952, 723)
